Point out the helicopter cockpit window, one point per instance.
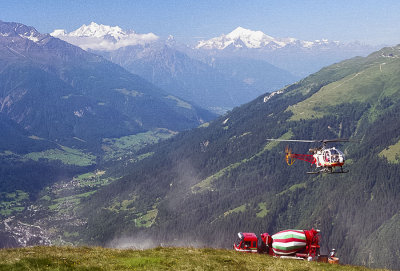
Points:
(334, 155)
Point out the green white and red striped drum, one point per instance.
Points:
(288, 242)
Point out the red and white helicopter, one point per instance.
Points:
(325, 159)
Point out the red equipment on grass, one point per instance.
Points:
(295, 244)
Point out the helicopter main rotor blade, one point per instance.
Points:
(293, 140)
(339, 140)
(314, 141)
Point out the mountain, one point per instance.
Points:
(246, 38)
(256, 73)
(103, 37)
(188, 78)
(60, 92)
(299, 57)
(165, 65)
(205, 185)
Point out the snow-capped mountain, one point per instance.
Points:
(20, 30)
(240, 37)
(103, 37)
(300, 57)
(245, 38)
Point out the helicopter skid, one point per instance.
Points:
(328, 171)
(334, 172)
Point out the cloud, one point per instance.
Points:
(102, 44)
(104, 41)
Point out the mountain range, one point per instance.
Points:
(300, 57)
(219, 73)
(169, 66)
(246, 38)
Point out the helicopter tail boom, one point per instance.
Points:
(290, 157)
(305, 157)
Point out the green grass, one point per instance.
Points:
(369, 85)
(239, 209)
(93, 179)
(70, 200)
(171, 258)
(179, 102)
(66, 155)
(293, 188)
(11, 203)
(263, 210)
(117, 147)
(124, 205)
(206, 184)
(204, 125)
(147, 219)
(127, 92)
(392, 153)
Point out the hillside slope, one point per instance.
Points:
(207, 184)
(58, 91)
(172, 258)
(185, 77)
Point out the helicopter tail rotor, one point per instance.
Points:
(289, 157)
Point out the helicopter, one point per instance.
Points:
(325, 159)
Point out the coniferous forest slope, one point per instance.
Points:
(203, 186)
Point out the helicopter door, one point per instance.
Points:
(327, 156)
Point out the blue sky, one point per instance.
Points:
(373, 22)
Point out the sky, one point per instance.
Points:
(366, 21)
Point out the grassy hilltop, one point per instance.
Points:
(171, 258)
